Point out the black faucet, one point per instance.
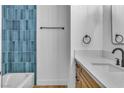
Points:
(122, 61)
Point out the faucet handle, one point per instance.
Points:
(117, 61)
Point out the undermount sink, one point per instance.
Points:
(106, 67)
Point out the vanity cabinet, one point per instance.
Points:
(83, 79)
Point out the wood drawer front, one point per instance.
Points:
(83, 79)
(80, 81)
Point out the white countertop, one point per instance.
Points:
(108, 79)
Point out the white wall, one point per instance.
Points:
(0, 33)
(85, 19)
(53, 46)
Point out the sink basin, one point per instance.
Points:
(106, 67)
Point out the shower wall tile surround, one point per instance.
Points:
(18, 38)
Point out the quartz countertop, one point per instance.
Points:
(107, 79)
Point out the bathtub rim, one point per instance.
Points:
(20, 85)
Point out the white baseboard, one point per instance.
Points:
(52, 82)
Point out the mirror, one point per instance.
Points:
(0, 41)
(117, 24)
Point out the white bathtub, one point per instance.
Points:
(18, 80)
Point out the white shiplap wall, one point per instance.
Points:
(53, 46)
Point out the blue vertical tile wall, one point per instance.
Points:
(18, 38)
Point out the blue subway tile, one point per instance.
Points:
(18, 38)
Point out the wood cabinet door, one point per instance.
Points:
(83, 79)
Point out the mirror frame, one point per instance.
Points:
(112, 32)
